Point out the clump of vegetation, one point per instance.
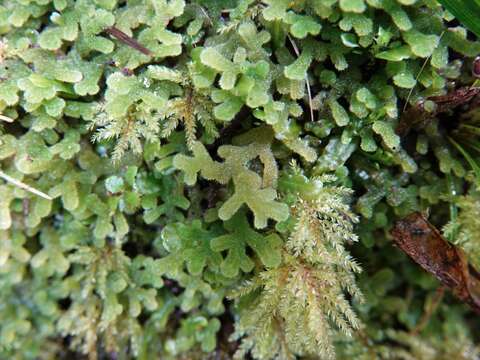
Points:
(217, 179)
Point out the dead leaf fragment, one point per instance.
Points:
(425, 245)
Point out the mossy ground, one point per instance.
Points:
(218, 178)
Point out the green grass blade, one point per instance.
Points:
(466, 11)
(472, 145)
(474, 165)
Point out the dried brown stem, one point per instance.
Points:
(128, 40)
(429, 311)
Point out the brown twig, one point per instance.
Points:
(128, 40)
(418, 116)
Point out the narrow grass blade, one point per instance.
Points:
(466, 11)
(471, 161)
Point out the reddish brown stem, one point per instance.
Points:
(128, 40)
(429, 311)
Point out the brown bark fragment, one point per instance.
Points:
(454, 98)
(425, 245)
(417, 116)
